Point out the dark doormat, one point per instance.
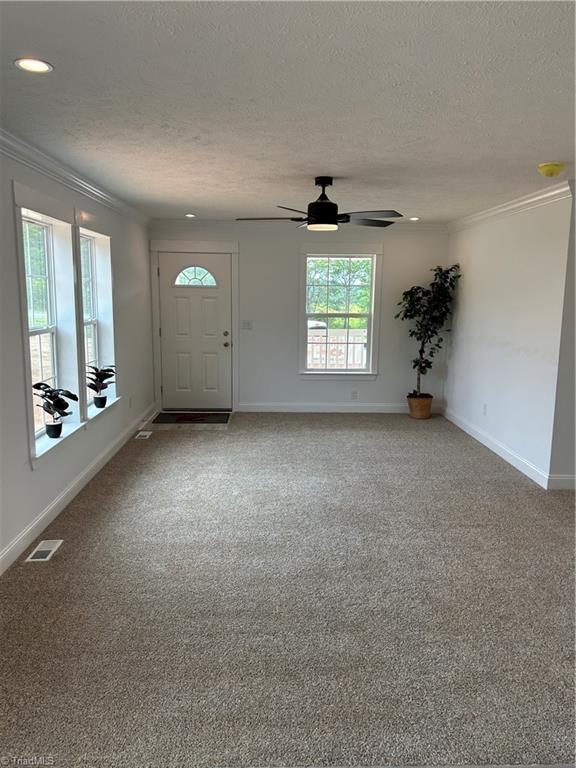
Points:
(191, 417)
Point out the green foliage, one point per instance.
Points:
(339, 286)
(36, 267)
(428, 310)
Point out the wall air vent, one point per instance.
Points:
(44, 551)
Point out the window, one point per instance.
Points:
(89, 307)
(339, 313)
(66, 308)
(39, 271)
(97, 307)
(196, 276)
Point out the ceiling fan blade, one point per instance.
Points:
(375, 214)
(296, 210)
(305, 224)
(372, 223)
(272, 218)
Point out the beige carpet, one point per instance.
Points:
(305, 590)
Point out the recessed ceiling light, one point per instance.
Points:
(190, 215)
(34, 65)
(414, 218)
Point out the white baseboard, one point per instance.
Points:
(14, 549)
(506, 453)
(323, 407)
(561, 482)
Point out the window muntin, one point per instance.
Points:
(38, 272)
(196, 276)
(339, 312)
(89, 303)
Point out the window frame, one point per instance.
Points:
(51, 327)
(357, 250)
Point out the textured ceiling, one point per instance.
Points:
(227, 108)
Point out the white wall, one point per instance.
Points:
(563, 453)
(269, 259)
(32, 495)
(504, 352)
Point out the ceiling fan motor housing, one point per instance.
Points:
(323, 212)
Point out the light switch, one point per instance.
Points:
(246, 325)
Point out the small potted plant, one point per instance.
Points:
(54, 402)
(428, 309)
(98, 381)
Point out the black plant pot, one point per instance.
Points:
(100, 401)
(54, 430)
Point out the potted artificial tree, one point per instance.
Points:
(98, 380)
(54, 402)
(428, 309)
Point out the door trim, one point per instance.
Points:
(193, 246)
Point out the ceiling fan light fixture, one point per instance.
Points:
(322, 227)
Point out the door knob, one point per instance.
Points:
(226, 344)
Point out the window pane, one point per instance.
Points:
(35, 249)
(90, 345)
(317, 330)
(35, 359)
(360, 271)
(336, 356)
(196, 276)
(316, 356)
(317, 271)
(87, 304)
(360, 300)
(339, 271)
(337, 299)
(47, 357)
(357, 356)
(40, 302)
(338, 335)
(85, 255)
(317, 299)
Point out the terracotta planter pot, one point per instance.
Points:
(420, 407)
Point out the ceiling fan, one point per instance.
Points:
(323, 216)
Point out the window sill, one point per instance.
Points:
(93, 412)
(44, 444)
(335, 375)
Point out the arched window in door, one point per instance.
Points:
(196, 277)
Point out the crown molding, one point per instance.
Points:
(18, 149)
(525, 203)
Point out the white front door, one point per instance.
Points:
(196, 332)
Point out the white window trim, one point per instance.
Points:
(352, 249)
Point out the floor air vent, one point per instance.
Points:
(44, 551)
(143, 435)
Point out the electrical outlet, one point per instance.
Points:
(354, 394)
(484, 410)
